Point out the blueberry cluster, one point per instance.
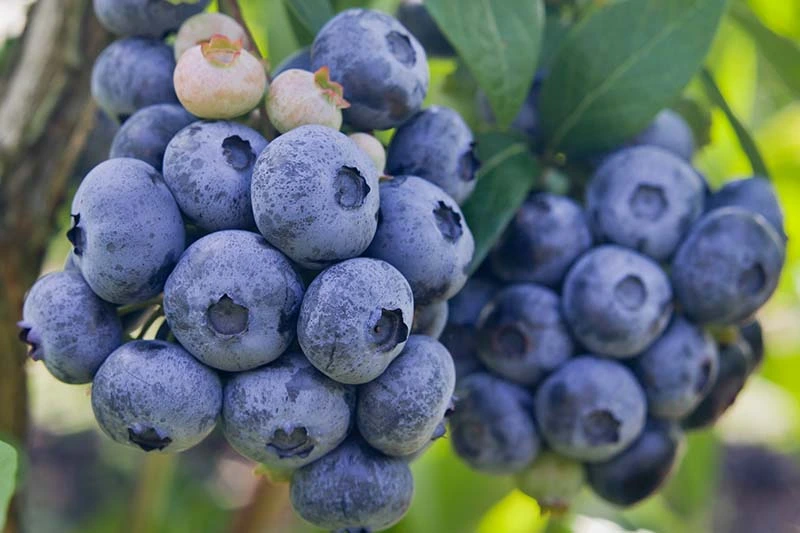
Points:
(286, 290)
(594, 335)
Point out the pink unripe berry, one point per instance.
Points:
(219, 80)
(298, 98)
(372, 147)
(201, 27)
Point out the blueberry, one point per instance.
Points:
(147, 132)
(355, 319)
(522, 335)
(286, 414)
(149, 18)
(155, 396)
(492, 427)
(735, 366)
(644, 198)
(678, 369)
(422, 233)
(301, 59)
(728, 266)
(127, 232)
(553, 480)
(437, 145)
(353, 487)
(460, 333)
(640, 470)
(381, 65)
(546, 236)
(753, 336)
(131, 74)
(315, 196)
(616, 301)
(430, 319)
(754, 194)
(208, 166)
(590, 409)
(233, 300)
(68, 327)
(670, 132)
(415, 16)
(398, 413)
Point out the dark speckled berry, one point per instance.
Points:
(353, 487)
(147, 132)
(286, 414)
(154, 395)
(68, 327)
(430, 319)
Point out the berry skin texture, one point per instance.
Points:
(208, 166)
(298, 97)
(617, 302)
(638, 472)
(372, 147)
(678, 369)
(670, 132)
(315, 196)
(590, 409)
(147, 132)
(430, 319)
(755, 194)
(547, 235)
(380, 64)
(286, 414)
(644, 198)
(728, 266)
(147, 18)
(553, 481)
(301, 59)
(522, 335)
(218, 79)
(398, 413)
(437, 145)
(155, 396)
(233, 300)
(353, 487)
(203, 26)
(127, 233)
(355, 319)
(735, 366)
(133, 73)
(492, 427)
(414, 15)
(68, 327)
(422, 233)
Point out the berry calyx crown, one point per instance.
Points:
(332, 91)
(220, 51)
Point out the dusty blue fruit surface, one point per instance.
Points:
(149, 18)
(147, 132)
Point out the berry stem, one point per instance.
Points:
(131, 308)
(156, 314)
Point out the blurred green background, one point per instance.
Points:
(740, 477)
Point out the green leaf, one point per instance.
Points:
(745, 139)
(620, 66)
(781, 53)
(8, 478)
(698, 117)
(499, 40)
(312, 14)
(691, 490)
(508, 171)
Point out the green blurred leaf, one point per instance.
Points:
(257, 19)
(499, 40)
(698, 117)
(620, 66)
(745, 139)
(8, 478)
(781, 53)
(508, 171)
(691, 491)
(312, 14)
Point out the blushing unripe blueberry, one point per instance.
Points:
(553, 480)
(372, 147)
(298, 97)
(353, 487)
(68, 327)
(155, 396)
(219, 79)
(203, 26)
(286, 414)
